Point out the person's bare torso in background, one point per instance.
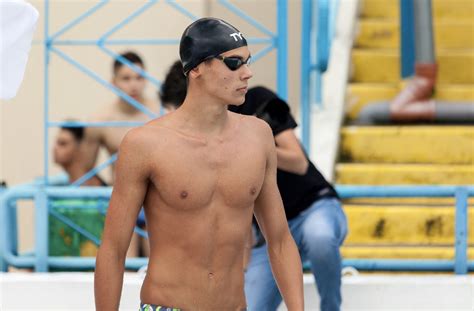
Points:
(199, 206)
(110, 137)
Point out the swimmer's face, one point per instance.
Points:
(228, 85)
(66, 148)
(130, 82)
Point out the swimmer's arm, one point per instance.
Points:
(282, 250)
(127, 197)
(290, 155)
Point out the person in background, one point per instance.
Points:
(133, 84)
(313, 210)
(67, 154)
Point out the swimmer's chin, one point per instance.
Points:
(238, 102)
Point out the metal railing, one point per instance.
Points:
(273, 40)
(317, 30)
(41, 261)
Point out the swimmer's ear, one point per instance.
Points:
(195, 72)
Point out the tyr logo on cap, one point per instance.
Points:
(236, 35)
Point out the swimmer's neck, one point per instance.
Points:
(204, 115)
(127, 108)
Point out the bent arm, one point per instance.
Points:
(127, 198)
(290, 155)
(282, 251)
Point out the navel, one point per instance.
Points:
(183, 194)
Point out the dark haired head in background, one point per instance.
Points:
(131, 57)
(173, 89)
(67, 154)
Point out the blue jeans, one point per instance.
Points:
(318, 232)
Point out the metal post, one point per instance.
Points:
(305, 71)
(41, 231)
(460, 259)
(282, 49)
(407, 38)
(424, 43)
(3, 234)
(47, 45)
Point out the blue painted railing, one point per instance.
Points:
(407, 38)
(41, 261)
(53, 42)
(317, 29)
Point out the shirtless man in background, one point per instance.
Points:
(201, 173)
(131, 83)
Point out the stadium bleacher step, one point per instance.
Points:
(383, 65)
(402, 252)
(407, 225)
(442, 9)
(404, 174)
(361, 94)
(407, 228)
(383, 33)
(408, 144)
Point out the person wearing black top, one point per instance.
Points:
(313, 209)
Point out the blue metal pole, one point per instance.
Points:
(79, 19)
(144, 41)
(181, 9)
(248, 19)
(46, 92)
(461, 231)
(282, 49)
(12, 211)
(262, 52)
(305, 71)
(4, 233)
(41, 231)
(407, 38)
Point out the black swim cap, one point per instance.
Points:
(207, 37)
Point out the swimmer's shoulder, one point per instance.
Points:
(253, 125)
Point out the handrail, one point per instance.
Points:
(42, 262)
(316, 40)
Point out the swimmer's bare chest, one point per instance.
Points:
(189, 174)
(199, 207)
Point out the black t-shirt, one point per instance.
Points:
(298, 192)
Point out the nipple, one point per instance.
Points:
(253, 190)
(184, 195)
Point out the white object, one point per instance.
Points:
(17, 25)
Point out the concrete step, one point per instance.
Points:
(361, 94)
(429, 202)
(404, 174)
(402, 225)
(385, 33)
(442, 9)
(379, 66)
(402, 252)
(408, 144)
